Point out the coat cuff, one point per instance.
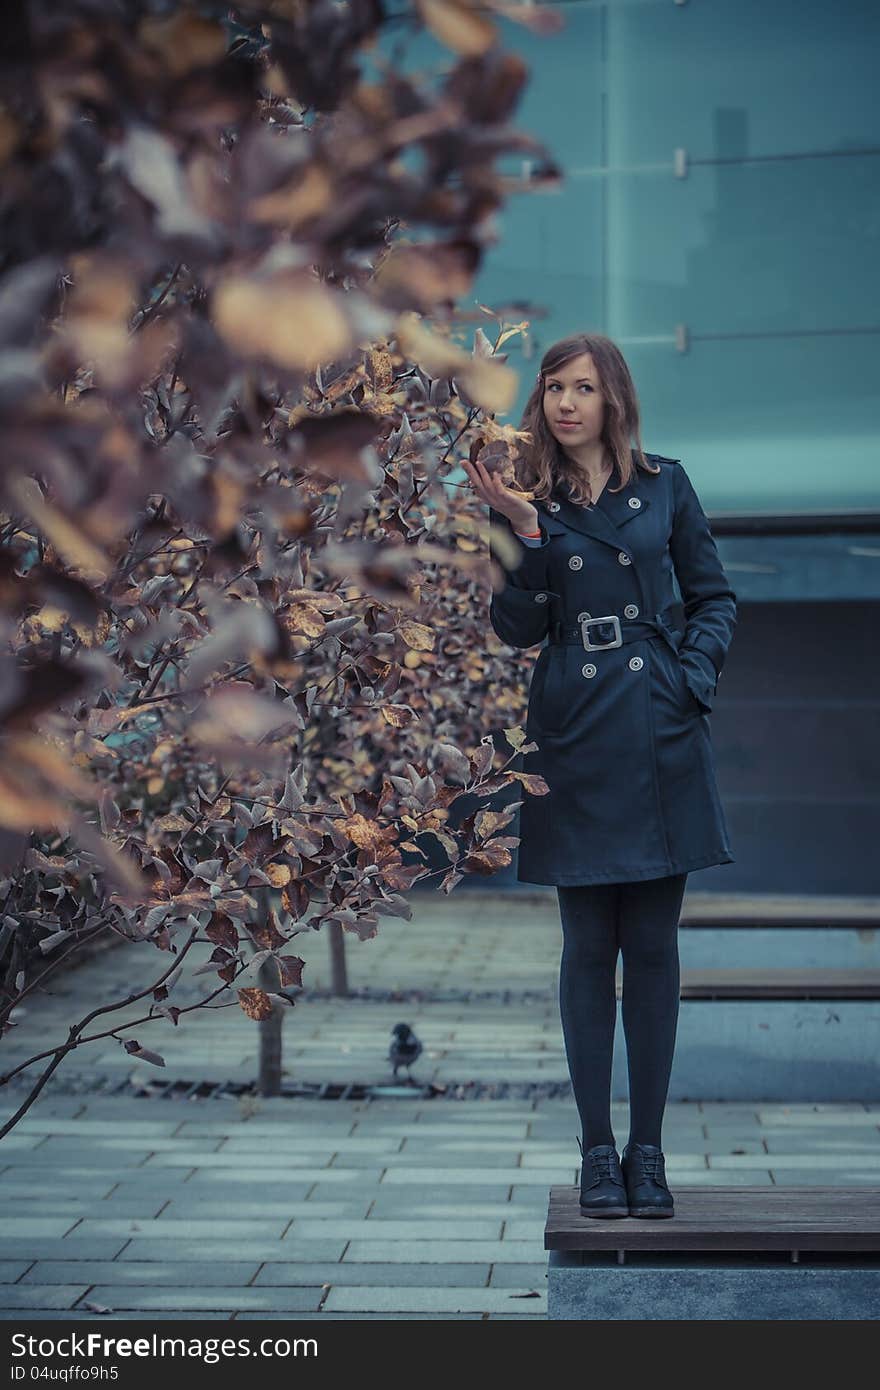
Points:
(521, 617)
(700, 676)
(709, 648)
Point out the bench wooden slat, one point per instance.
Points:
(778, 910)
(728, 1219)
(782, 983)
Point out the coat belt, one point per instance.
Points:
(631, 630)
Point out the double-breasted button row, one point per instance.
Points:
(635, 503)
(553, 506)
(575, 562)
(631, 610)
(635, 664)
(623, 558)
(541, 598)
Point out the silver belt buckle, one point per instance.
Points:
(589, 646)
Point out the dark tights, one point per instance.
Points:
(639, 920)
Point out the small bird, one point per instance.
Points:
(405, 1047)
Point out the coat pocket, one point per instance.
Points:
(698, 675)
(551, 702)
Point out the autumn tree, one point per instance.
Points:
(243, 597)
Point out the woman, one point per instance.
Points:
(619, 706)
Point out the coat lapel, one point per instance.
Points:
(606, 521)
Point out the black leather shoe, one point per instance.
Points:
(603, 1191)
(644, 1171)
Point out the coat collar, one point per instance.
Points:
(606, 520)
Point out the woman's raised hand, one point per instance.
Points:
(520, 512)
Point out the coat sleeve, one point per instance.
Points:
(709, 601)
(520, 612)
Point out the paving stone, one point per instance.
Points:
(43, 1189)
(274, 1159)
(67, 1248)
(802, 1161)
(436, 1300)
(40, 1124)
(17, 1142)
(832, 1145)
(303, 1228)
(25, 1296)
(202, 1207)
(282, 1127)
(448, 1193)
(144, 1272)
(18, 1226)
(507, 1251)
(348, 1274)
(77, 1207)
(164, 1228)
(42, 1160)
(529, 1229)
(90, 1146)
(10, 1270)
(453, 1133)
(263, 1251)
(189, 1300)
(468, 1177)
(823, 1177)
(429, 1210)
(284, 1145)
(126, 1315)
(487, 1161)
(143, 1179)
(220, 1182)
(353, 1317)
(520, 1276)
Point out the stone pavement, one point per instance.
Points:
(404, 1206)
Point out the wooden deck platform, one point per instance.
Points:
(729, 1253)
(728, 1219)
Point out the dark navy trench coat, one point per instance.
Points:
(623, 731)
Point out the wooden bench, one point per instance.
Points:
(777, 910)
(777, 983)
(754, 1253)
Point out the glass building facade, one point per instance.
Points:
(718, 216)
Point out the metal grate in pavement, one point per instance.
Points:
(180, 1089)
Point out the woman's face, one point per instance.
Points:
(574, 406)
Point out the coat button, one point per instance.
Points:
(623, 557)
(575, 562)
(540, 598)
(634, 503)
(631, 611)
(583, 617)
(589, 670)
(553, 506)
(636, 663)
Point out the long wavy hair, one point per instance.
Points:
(543, 463)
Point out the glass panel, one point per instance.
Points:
(746, 248)
(785, 424)
(766, 254)
(728, 78)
